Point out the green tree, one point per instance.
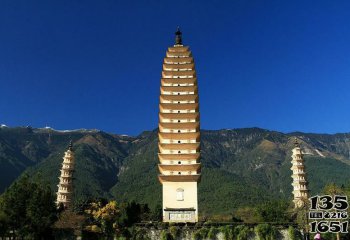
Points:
(332, 189)
(346, 191)
(104, 218)
(247, 215)
(3, 224)
(273, 211)
(301, 216)
(157, 213)
(41, 211)
(29, 209)
(137, 212)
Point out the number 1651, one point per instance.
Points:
(325, 226)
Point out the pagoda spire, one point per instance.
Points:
(296, 143)
(300, 190)
(65, 186)
(178, 37)
(70, 147)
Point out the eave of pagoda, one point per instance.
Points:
(179, 157)
(67, 168)
(299, 182)
(176, 116)
(176, 106)
(67, 200)
(176, 54)
(296, 175)
(64, 192)
(68, 161)
(181, 125)
(178, 48)
(179, 146)
(175, 74)
(62, 182)
(300, 191)
(164, 89)
(179, 178)
(176, 81)
(296, 167)
(179, 167)
(176, 98)
(67, 194)
(180, 60)
(179, 136)
(297, 170)
(178, 67)
(175, 161)
(66, 175)
(297, 160)
(299, 179)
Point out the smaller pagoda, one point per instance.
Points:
(65, 186)
(300, 190)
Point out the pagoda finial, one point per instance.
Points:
(70, 147)
(178, 37)
(296, 142)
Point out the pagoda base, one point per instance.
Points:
(180, 202)
(180, 215)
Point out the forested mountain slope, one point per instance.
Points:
(239, 165)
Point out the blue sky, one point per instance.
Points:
(280, 65)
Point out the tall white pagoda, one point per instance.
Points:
(179, 135)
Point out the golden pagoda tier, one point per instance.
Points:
(65, 186)
(300, 190)
(179, 135)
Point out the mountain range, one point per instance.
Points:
(240, 167)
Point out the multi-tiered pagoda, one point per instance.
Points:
(65, 186)
(179, 135)
(300, 191)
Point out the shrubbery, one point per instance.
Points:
(265, 232)
(293, 233)
(174, 231)
(227, 231)
(212, 233)
(241, 232)
(165, 235)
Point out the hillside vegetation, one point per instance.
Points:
(241, 167)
